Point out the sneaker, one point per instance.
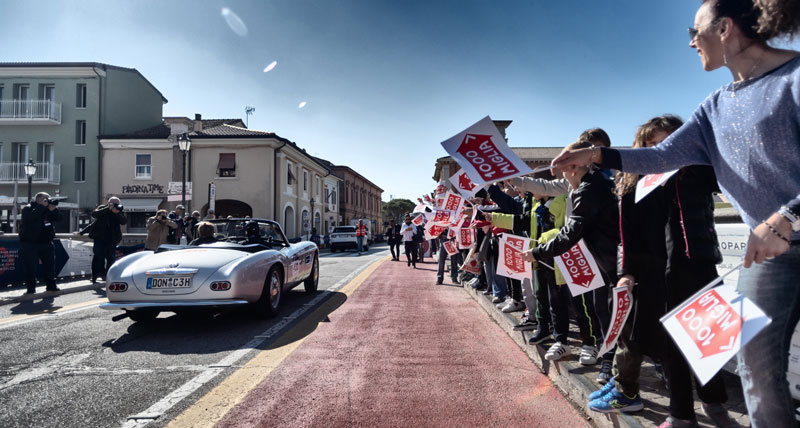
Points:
(602, 391)
(588, 355)
(513, 306)
(540, 335)
(719, 416)
(439, 281)
(487, 292)
(497, 299)
(474, 282)
(504, 303)
(557, 351)
(615, 401)
(605, 372)
(526, 324)
(678, 423)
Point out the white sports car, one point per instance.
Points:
(226, 273)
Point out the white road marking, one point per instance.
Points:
(162, 406)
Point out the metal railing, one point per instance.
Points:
(46, 172)
(30, 110)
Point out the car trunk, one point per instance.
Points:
(168, 270)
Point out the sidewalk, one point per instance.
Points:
(16, 293)
(403, 352)
(577, 381)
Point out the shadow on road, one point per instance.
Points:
(208, 333)
(32, 307)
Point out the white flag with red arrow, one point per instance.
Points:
(623, 303)
(648, 183)
(511, 263)
(483, 153)
(579, 269)
(463, 184)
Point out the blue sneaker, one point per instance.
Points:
(616, 401)
(602, 391)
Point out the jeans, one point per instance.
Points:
(455, 261)
(103, 258)
(31, 254)
(497, 282)
(360, 240)
(773, 287)
(529, 297)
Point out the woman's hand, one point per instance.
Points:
(569, 159)
(764, 243)
(626, 281)
(528, 255)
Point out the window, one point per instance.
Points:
(23, 92)
(80, 169)
(227, 165)
(19, 152)
(1, 92)
(80, 99)
(318, 186)
(49, 92)
(290, 178)
(46, 153)
(305, 181)
(144, 169)
(80, 132)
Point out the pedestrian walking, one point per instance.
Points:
(407, 231)
(748, 131)
(106, 234)
(158, 228)
(36, 235)
(394, 239)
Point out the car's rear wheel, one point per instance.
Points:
(143, 316)
(269, 303)
(312, 281)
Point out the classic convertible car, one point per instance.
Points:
(226, 273)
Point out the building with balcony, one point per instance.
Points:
(53, 113)
(255, 173)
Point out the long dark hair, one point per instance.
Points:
(626, 182)
(760, 20)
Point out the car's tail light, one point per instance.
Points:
(220, 285)
(118, 286)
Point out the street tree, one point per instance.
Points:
(396, 208)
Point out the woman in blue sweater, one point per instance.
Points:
(749, 131)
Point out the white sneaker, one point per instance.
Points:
(474, 282)
(557, 351)
(513, 306)
(588, 355)
(502, 304)
(496, 299)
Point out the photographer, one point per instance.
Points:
(158, 228)
(180, 218)
(36, 240)
(106, 234)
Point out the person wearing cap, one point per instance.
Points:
(210, 215)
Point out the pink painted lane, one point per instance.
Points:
(403, 352)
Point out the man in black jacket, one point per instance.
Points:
(394, 239)
(36, 241)
(106, 234)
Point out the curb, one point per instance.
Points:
(44, 294)
(568, 375)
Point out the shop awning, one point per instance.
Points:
(227, 161)
(141, 205)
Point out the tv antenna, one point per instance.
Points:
(248, 111)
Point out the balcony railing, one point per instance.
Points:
(18, 112)
(46, 173)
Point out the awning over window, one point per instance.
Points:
(227, 161)
(141, 205)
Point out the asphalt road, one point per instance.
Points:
(63, 363)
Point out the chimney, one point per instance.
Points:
(198, 122)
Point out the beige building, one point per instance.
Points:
(254, 173)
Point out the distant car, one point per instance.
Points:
(344, 237)
(219, 275)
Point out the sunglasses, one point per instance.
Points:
(694, 31)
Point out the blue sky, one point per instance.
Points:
(386, 81)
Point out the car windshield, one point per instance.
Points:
(345, 229)
(233, 230)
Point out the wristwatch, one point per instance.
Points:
(793, 218)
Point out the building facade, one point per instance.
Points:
(359, 198)
(254, 174)
(53, 114)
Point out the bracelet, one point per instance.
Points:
(778, 234)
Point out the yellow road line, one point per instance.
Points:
(55, 311)
(213, 406)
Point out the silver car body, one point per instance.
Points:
(176, 277)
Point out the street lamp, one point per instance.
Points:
(184, 144)
(30, 171)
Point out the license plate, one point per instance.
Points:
(169, 282)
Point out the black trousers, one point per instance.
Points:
(103, 257)
(31, 255)
(683, 280)
(394, 247)
(411, 252)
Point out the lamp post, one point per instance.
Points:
(184, 144)
(30, 171)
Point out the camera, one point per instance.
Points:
(119, 207)
(53, 202)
